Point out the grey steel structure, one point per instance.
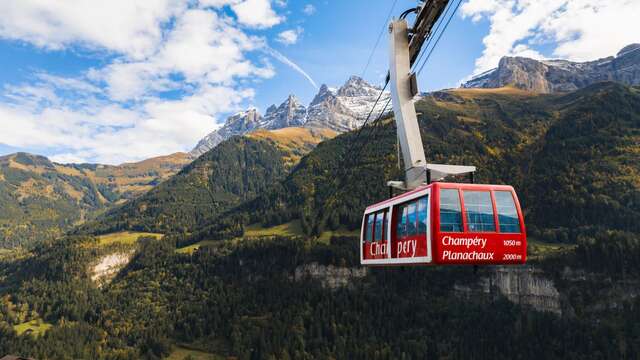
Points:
(404, 47)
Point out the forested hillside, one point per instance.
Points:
(40, 199)
(573, 158)
(255, 300)
(586, 173)
(234, 171)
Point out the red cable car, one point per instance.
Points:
(435, 222)
(445, 223)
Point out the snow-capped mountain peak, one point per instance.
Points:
(290, 113)
(356, 86)
(323, 94)
(342, 109)
(239, 123)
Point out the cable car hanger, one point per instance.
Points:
(435, 222)
(405, 45)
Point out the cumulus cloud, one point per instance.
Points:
(131, 27)
(578, 30)
(256, 13)
(203, 47)
(252, 13)
(289, 37)
(117, 112)
(92, 129)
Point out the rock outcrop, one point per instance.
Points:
(523, 285)
(108, 266)
(290, 113)
(346, 108)
(549, 76)
(331, 277)
(237, 124)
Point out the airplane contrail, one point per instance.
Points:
(283, 59)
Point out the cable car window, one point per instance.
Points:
(378, 228)
(411, 218)
(450, 218)
(507, 213)
(369, 230)
(401, 229)
(479, 211)
(422, 215)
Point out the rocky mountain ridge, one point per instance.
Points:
(340, 110)
(549, 76)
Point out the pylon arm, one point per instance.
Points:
(403, 107)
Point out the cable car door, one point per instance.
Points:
(411, 230)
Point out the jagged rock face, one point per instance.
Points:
(108, 266)
(238, 124)
(346, 108)
(324, 94)
(326, 110)
(340, 110)
(548, 76)
(289, 113)
(523, 285)
(356, 86)
(331, 277)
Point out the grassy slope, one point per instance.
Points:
(33, 327)
(124, 237)
(40, 200)
(294, 141)
(181, 353)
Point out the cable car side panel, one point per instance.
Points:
(477, 231)
(414, 247)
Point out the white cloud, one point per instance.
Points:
(578, 30)
(131, 27)
(110, 133)
(117, 112)
(256, 13)
(309, 9)
(203, 47)
(289, 37)
(252, 13)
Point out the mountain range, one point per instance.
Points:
(532, 141)
(547, 76)
(340, 110)
(345, 108)
(41, 199)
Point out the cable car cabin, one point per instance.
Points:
(445, 223)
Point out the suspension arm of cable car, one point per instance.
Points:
(435, 222)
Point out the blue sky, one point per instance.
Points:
(339, 37)
(125, 80)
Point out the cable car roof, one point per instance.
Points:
(449, 185)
